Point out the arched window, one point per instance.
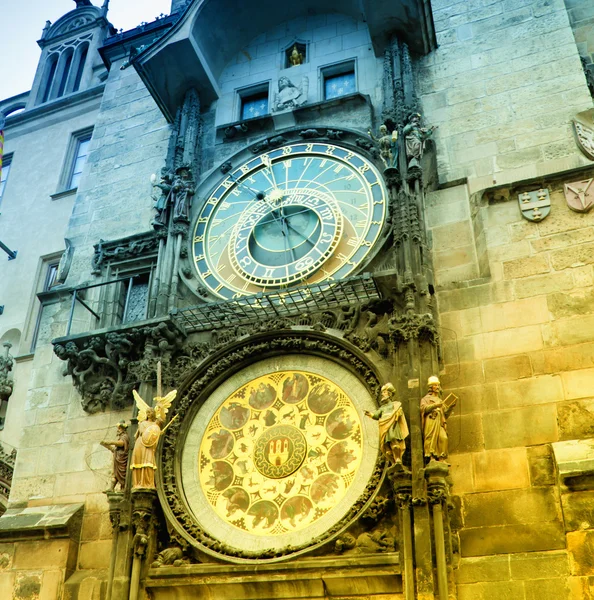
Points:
(81, 52)
(52, 64)
(67, 62)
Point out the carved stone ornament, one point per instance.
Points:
(583, 129)
(290, 96)
(6, 382)
(235, 509)
(580, 195)
(134, 246)
(535, 205)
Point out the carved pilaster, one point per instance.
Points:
(6, 381)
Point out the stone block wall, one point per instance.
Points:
(516, 302)
(581, 17)
(503, 86)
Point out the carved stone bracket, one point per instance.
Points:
(105, 366)
(211, 372)
(7, 460)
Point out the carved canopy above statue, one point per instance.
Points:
(195, 51)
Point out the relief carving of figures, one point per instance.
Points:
(388, 146)
(393, 429)
(415, 138)
(434, 414)
(119, 447)
(290, 96)
(162, 202)
(182, 191)
(150, 427)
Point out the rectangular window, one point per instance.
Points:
(253, 102)
(4, 175)
(48, 310)
(79, 160)
(339, 80)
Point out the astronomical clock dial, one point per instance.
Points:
(279, 454)
(301, 214)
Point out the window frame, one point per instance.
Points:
(77, 138)
(243, 94)
(343, 67)
(6, 162)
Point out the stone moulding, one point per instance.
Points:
(135, 246)
(196, 389)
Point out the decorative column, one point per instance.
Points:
(402, 487)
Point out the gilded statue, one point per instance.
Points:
(119, 447)
(150, 428)
(388, 146)
(296, 58)
(434, 414)
(392, 425)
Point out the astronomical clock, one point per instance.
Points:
(275, 455)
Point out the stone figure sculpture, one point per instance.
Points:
(162, 202)
(182, 190)
(434, 413)
(290, 96)
(392, 425)
(415, 137)
(119, 448)
(388, 146)
(150, 424)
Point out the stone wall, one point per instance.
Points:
(581, 17)
(516, 308)
(502, 87)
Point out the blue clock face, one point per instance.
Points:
(304, 213)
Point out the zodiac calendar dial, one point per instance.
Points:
(280, 452)
(300, 214)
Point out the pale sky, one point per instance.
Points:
(22, 21)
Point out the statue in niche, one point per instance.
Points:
(296, 58)
(415, 137)
(434, 413)
(182, 190)
(119, 447)
(150, 429)
(162, 202)
(388, 146)
(290, 96)
(392, 425)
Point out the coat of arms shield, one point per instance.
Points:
(535, 206)
(583, 129)
(580, 195)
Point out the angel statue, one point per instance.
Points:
(150, 422)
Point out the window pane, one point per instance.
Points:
(339, 85)
(137, 301)
(82, 150)
(254, 106)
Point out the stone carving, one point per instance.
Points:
(105, 368)
(377, 509)
(290, 96)
(150, 423)
(7, 460)
(296, 58)
(162, 202)
(131, 247)
(65, 262)
(368, 145)
(380, 540)
(415, 138)
(173, 556)
(182, 191)
(308, 134)
(580, 195)
(226, 167)
(388, 147)
(535, 206)
(289, 342)
(589, 73)
(6, 381)
(393, 429)
(119, 448)
(434, 413)
(584, 132)
(345, 542)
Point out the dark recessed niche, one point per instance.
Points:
(295, 55)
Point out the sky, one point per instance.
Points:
(21, 26)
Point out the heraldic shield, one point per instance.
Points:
(535, 206)
(580, 195)
(583, 129)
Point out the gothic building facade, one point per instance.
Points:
(249, 244)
